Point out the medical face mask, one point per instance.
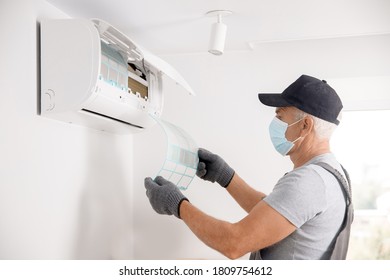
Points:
(277, 131)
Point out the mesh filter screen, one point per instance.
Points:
(182, 156)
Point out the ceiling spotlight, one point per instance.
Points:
(218, 32)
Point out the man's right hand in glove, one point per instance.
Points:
(213, 168)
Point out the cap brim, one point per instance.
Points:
(273, 100)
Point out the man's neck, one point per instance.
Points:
(307, 151)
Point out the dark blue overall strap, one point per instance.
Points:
(341, 240)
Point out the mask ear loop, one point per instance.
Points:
(300, 137)
(295, 122)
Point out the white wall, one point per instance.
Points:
(65, 190)
(227, 118)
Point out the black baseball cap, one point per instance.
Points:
(310, 95)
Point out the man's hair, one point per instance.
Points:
(322, 129)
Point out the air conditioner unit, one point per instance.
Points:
(94, 75)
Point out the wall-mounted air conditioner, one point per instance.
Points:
(94, 75)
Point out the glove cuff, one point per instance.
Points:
(178, 207)
(175, 199)
(226, 176)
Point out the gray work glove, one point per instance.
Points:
(213, 168)
(164, 196)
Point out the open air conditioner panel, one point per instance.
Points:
(93, 74)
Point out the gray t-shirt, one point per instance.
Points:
(311, 198)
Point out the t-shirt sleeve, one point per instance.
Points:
(299, 196)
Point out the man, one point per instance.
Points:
(304, 214)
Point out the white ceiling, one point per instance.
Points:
(180, 26)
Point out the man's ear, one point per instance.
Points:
(308, 124)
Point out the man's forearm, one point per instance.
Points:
(246, 196)
(219, 235)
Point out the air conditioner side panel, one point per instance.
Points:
(70, 64)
